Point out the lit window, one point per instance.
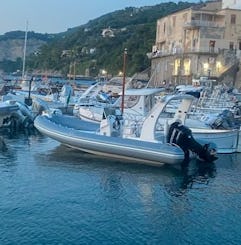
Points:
(187, 66)
(177, 66)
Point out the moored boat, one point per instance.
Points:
(115, 138)
(86, 137)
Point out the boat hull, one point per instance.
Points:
(226, 141)
(86, 139)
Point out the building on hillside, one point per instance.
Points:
(108, 32)
(201, 41)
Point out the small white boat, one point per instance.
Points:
(44, 94)
(91, 103)
(137, 104)
(226, 140)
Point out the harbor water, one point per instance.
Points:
(52, 194)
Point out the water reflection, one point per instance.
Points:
(194, 174)
(16, 143)
(231, 161)
(112, 176)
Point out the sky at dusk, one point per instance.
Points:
(54, 16)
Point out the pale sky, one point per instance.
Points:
(54, 16)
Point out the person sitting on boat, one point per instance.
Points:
(182, 136)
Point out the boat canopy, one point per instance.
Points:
(142, 91)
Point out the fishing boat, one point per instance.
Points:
(118, 138)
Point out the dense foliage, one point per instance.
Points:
(84, 48)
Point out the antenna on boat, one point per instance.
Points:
(124, 80)
(24, 50)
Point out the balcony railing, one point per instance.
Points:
(180, 51)
(201, 23)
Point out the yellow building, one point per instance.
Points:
(201, 41)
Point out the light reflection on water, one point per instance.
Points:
(51, 194)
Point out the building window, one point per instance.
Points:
(177, 67)
(231, 45)
(187, 66)
(239, 45)
(193, 43)
(211, 46)
(164, 28)
(233, 19)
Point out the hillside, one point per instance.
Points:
(97, 45)
(12, 46)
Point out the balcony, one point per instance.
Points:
(201, 23)
(180, 51)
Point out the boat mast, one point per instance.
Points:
(24, 50)
(124, 81)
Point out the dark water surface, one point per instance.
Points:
(51, 194)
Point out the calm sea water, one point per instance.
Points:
(51, 194)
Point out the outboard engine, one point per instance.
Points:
(20, 118)
(182, 136)
(225, 120)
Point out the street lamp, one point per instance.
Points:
(120, 73)
(104, 72)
